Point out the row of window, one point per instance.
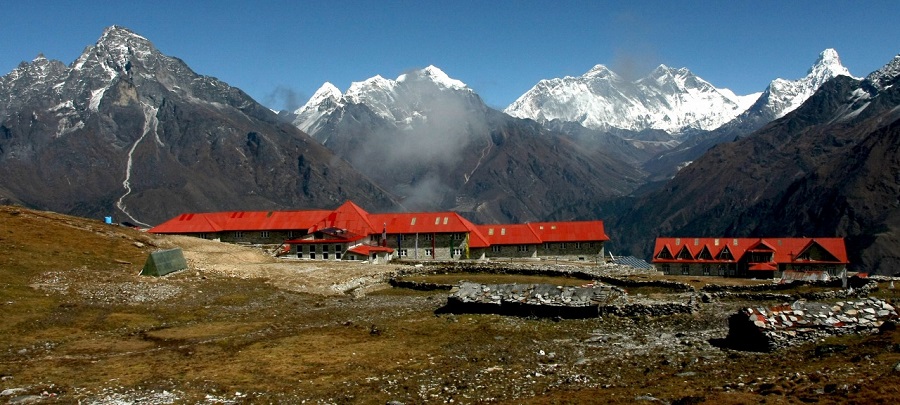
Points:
(707, 270)
(325, 255)
(262, 234)
(457, 252)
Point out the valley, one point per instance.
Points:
(238, 326)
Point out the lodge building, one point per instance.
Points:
(750, 257)
(350, 233)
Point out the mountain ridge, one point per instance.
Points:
(129, 132)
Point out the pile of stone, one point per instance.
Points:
(540, 300)
(767, 329)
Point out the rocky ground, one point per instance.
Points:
(239, 326)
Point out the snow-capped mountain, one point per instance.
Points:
(673, 100)
(128, 132)
(404, 101)
(780, 97)
(783, 96)
(431, 141)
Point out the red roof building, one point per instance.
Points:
(349, 232)
(749, 257)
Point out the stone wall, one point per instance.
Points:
(769, 329)
(544, 300)
(540, 300)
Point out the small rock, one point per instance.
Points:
(12, 391)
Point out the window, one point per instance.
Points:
(495, 248)
(290, 234)
(457, 252)
(299, 253)
(666, 268)
(592, 244)
(238, 234)
(204, 236)
(706, 268)
(429, 236)
(338, 248)
(562, 246)
(547, 245)
(685, 269)
(401, 236)
(325, 255)
(523, 248)
(577, 245)
(402, 253)
(312, 254)
(264, 234)
(458, 236)
(429, 252)
(352, 257)
(337, 255)
(325, 248)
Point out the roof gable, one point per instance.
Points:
(349, 217)
(684, 254)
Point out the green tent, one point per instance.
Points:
(163, 262)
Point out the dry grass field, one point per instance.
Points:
(79, 325)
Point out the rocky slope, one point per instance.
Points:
(129, 132)
(829, 168)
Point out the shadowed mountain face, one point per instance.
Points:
(129, 132)
(432, 142)
(829, 168)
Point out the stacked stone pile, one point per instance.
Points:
(771, 328)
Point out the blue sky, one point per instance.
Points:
(281, 52)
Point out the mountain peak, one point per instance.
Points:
(887, 75)
(117, 33)
(828, 63)
(435, 75)
(599, 71)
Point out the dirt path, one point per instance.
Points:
(314, 277)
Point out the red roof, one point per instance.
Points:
(763, 267)
(570, 231)
(509, 234)
(429, 222)
(350, 217)
(367, 250)
(240, 221)
(785, 250)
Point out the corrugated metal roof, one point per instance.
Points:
(569, 231)
(509, 234)
(211, 222)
